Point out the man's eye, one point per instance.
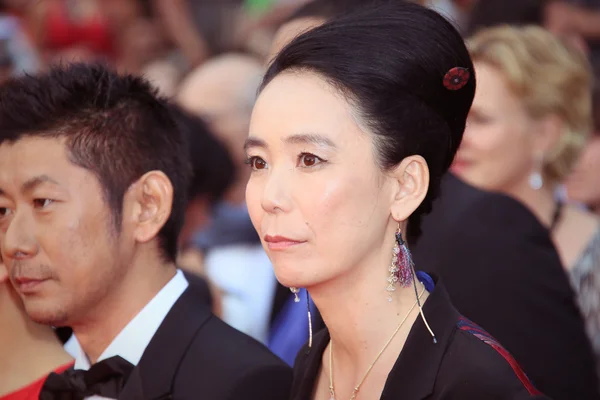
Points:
(42, 203)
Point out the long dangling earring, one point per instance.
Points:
(536, 180)
(403, 270)
(296, 291)
(401, 267)
(310, 331)
(413, 273)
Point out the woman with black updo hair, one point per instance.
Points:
(356, 122)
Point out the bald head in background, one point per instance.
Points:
(290, 29)
(223, 91)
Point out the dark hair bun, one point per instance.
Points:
(391, 59)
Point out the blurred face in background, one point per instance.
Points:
(584, 183)
(228, 84)
(498, 148)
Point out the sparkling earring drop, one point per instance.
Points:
(295, 291)
(401, 266)
(536, 180)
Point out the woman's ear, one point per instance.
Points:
(549, 135)
(412, 184)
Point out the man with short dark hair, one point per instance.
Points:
(93, 180)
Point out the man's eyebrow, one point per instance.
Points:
(36, 181)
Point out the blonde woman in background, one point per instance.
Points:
(529, 121)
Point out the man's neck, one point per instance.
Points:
(29, 350)
(101, 326)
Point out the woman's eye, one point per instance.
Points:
(4, 212)
(256, 163)
(309, 160)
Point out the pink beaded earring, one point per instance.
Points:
(401, 269)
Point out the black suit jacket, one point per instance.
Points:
(501, 270)
(464, 364)
(196, 356)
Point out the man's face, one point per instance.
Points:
(56, 235)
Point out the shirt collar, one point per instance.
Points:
(132, 341)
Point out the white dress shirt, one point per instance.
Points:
(132, 341)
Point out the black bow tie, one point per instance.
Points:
(105, 378)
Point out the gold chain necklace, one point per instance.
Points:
(357, 387)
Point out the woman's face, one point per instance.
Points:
(584, 183)
(316, 196)
(497, 152)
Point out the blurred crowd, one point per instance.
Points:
(533, 132)
(169, 39)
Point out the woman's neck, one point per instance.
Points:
(540, 202)
(359, 316)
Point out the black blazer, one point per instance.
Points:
(501, 270)
(196, 356)
(464, 364)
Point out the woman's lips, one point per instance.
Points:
(278, 242)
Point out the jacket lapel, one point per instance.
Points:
(416, 369)
(153, 377)
(133, 388)
(308, 365)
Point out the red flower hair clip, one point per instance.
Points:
(456, 78)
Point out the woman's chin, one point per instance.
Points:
(302, 273)
(291, 278)
(290, 282)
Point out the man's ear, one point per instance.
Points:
(148, 205)
(412, 184)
